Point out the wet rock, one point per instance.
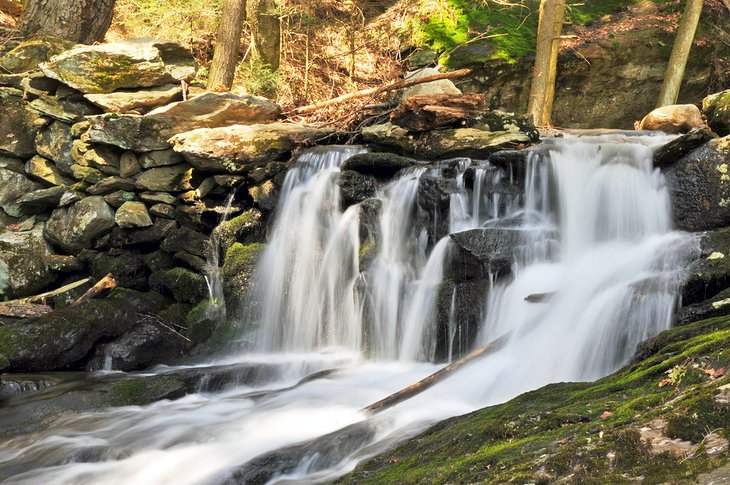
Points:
(434, 197)
(75, 228)
(699, 186)
(382, 165)
(240, 149)
(41, 200)
(667, 154)
(143, 239)
(64, 337)
(149, 343)
(459, 142)
(676, 118)
(54, 143)
(19, 127)
(128, 269)
(245, 228)
(132, 214)
(237, 275)
(484, 251)
(181, 284)
(460, 310)
(30, 53)
(104, 68)
(717, 306)
(159, 261)
(24, 266)
(711, 273)
(175, 178)
(67, 110)
(138, 100)
(513, 162)
(152, 131)
(265, 196)
(355, 187)
(45, 171)
(442, 86)
(716, 108)
(13, 186)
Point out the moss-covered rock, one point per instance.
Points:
(20, 125)
(716, 108)
(181, 284)
(237, 274)
(245, 228)
(30, 53)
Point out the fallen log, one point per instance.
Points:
(24, 310)
(405, 83)
(436, 377)
(106, 283)
(426, 112)
(46, 295)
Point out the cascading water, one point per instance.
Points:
(596, 270)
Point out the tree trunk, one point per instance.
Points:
(542, 91)
(265, 31)
(82, 21)
(225, 58)
(680, 53)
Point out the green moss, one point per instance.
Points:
(245, 228)
(580, 432)
(241, 259)
(181, 284)
(140, 391)
(199, 322)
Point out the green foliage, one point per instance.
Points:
(258, 78)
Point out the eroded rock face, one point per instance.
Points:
(716, 108)
(24, 263)
(75, 228)
(105, 68)
(699, 186)
(677, 118)
(240, 148)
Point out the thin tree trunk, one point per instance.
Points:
(680, 53)
(83, 21)
(225, 58)
(265, 32)
(552, 13)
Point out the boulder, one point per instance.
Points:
(147, 344)
(246, 228)
(19, 125)
(240, 148)
(30, 53)
(105, 68)
(152, 131)
(24, 263)
(681, 146)
(439, 144)
(174, 178)
(13, 186)
(138, 100)
(237, 274)
(716, 108)
(54, 142)
(442, 86)
(41, 200)
(132, 214)
(699, 186)
(355, 187)
(676, 118)
(63, 338)
(75, 228)
(485, 251)
(44, 170)
(379, 164)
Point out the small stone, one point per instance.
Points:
(111, 184)
(68, 198)
(75, 228)
(132, 214)
(174, 178)
(116, 199)
(163, 210)
(129, 165)
(13, 186)
(40, 200)
(65, 110)
(159, 158)
(45, 171)
(103, 158)
(87, 174)
(154, 197)
(138, 100)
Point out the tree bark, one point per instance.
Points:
(680, 53)
(82, 21)
(542, 91)
(265, 31)
(225, 58)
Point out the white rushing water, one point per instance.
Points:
(595, 244)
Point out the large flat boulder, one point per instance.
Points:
(138, 100)
(105, 68)
(240, 148)
(74, 228)
(19, 125)
(716, 108)
(152, 131)
(24, 263)
(438, 144)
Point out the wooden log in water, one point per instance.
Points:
(436, 377)
(46, 295)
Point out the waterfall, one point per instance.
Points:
(596, 269)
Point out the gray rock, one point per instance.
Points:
(116, 199)
(699, 186)
(379, 164)
(13, 164)
(138, 100)
(41, 200)
(101, 157)
(65, 110)
(159, 158)
(75, 228)
(240, 149)
(45, 171)
(355, 187)
(161, 197)
(13, 186)
(716, 108)
(108, 67)
(174, 178)
(710, 274)
(443, 86)
(163, 210)
(24, 266)
(132, 214)
(54, 143)
(185, 239)
(19, 127)
(112, 184)
(484, 251)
